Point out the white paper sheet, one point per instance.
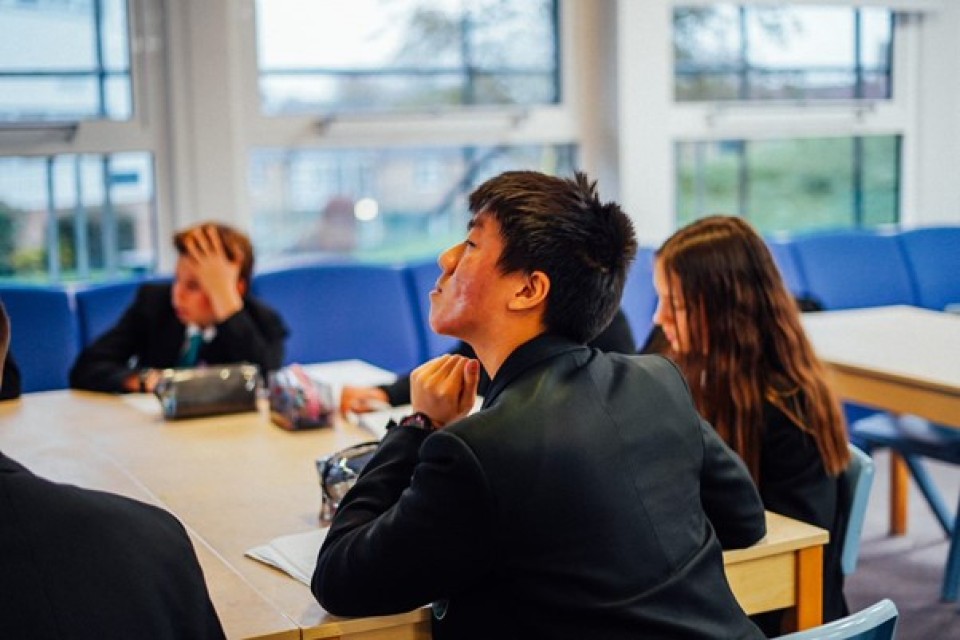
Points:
(295, 554)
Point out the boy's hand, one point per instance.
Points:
(445, 388)
(217, 274)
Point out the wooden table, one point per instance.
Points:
(900, 359)
(238, 481)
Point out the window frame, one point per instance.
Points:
(649, 145)
(144, 131)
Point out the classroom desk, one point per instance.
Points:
(238, 481)
(901, 359)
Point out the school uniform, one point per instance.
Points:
(586, 499)
(81, 564)
(149, 335)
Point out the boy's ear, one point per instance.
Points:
(242, 287)
(532, 292)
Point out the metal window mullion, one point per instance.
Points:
(81, 222)
(743, 182)
(743, 73)
(108, 219)
(856, 179)
(98, 47)
(52, 239)
(857, 54)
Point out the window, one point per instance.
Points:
(787, 114)
(730, 52)
(791, 184)
(76, 217)
(374, 204)
(377, 118)
(78, 196)
(368, 55)
(64, 60)
(74, 206)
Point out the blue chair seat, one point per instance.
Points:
(859, 479)
(914, 439)
(876, 622)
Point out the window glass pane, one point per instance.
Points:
(77, 217)
(739, 52)
(332, 56)
(64, 60)
(791, 184)
(377, 205)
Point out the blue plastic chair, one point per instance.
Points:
(876, 622)
(851, 269)
(44, 335)
(785, 256)
(933, 255)
(639, 297)
(422, 276)
(99, 307)
(859, 479)
(338, 312)
(915, 438)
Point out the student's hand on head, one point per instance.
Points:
(217, 274)
(362, 399)
(445, 388)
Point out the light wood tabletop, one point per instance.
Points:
(237, 482)
(900, 359)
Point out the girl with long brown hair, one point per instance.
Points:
(735, 331)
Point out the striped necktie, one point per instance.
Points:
(190, 351)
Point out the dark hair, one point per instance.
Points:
(560, 227)
(235, 243)
(747, 344)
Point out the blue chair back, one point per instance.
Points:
(421, 277)
(44, 335)
(639, 297)
(859, 479)
(338, 312)
(876, 622)
(784, 255)
(849, 269)
(99, 307)
(933, 255)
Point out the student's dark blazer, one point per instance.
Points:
(794, 482)
(586, 499)
(616, 338)
(151, 336)
(80, 564)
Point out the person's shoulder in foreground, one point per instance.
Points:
(90, 564)
(209, 296)
(587, 498)
(85, 564)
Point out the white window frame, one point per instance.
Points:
(221, 123)
(145, 131)
(651, 120)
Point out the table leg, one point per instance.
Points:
(809, 607)
(899, 482)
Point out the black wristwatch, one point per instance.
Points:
(418, 420)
